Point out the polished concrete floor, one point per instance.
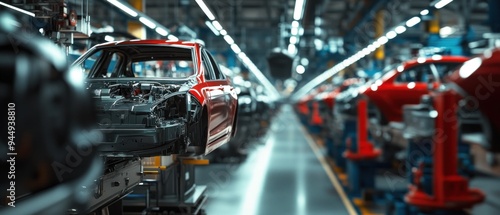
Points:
(282, 175)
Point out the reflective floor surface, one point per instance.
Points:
(282, 175)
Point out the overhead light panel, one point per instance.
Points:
(442, 3)
(299, 8)
(447, 31)
(391, 35)
(242, 55)
(161, 31)
(235, 48)
(228, 39)
(212, 28)
(295, 24)
(400, 29)
(300, 69)
(365, 51)
(292, 49)
(223, 32)
(371, 48)
(294, 31)
(18, 9)
(304, 61)
(147, 22)
(205, 9)
(123, 7)
(383, 40)
(413, 21)
(424, 12)
(217, 25)
(293, 40)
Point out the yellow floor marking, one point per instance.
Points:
(336, 184)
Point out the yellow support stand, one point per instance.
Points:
(379, 31)
(433, 25)
(198, 162)
(134, 27)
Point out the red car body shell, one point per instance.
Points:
(478, 82)
(221, 115)
(389, 96)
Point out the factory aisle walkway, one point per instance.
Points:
(281, 176)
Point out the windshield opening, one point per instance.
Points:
(139, 61)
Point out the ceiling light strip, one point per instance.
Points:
(217, 28)
(143, 18)
(366, 51)
(18, 9)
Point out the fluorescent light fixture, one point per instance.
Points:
(161, 31)
(391, 35)
(299, 8)
(295, 24)
(123, 7)
(147, 22)
(366, 51)
(442, 3)
(18, 9)
(205, 9)
(400, 29)
(424, 12)
(217, 25)
(376, 44)
(371, 48)
(293, 40)
(242, 55)
(235, 48)
(447, 31)
(304, 61)
(212, 28)
(413, 21)
(292, 49)
(294, 31)
(383, 40)
(223, 32)
(300, 69)
(172, 37)
(228, 39)
(109, 38)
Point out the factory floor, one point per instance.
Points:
(282, 175)
(287, 173)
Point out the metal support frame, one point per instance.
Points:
(362, 148)
(174, 191)
(448, 190)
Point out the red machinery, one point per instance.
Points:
(449, 189)
(364, 149)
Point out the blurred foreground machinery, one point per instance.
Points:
(46, 138)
